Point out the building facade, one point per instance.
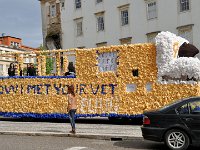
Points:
(10, 44)
(51, 23)
(86, 24)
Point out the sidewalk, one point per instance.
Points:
(92, 131)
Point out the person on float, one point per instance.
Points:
(20, 70)
(71, 69)
(11, 70)
(27, 69)
(72, 107)
(31, 71)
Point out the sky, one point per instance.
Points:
(22, 19)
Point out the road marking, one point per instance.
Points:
(76, 148)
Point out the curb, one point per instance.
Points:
(78, 135)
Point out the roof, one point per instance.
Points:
(10, 37)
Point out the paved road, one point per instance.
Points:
(59, 139)
(12, 142)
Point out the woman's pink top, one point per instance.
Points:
(72, 102)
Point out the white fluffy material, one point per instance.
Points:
(174, 67)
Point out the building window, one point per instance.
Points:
(151, 10)
(184, 5)
(63, 4)
(151, 37)
(101, 44)
(78, 4)
(124, 17)
(11, 43)
(53, 10)
(126, 40)
(100, 22)
(79, 27)
(186, 32)
(14, 44)
(99, 1)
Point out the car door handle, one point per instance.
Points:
(187, 119)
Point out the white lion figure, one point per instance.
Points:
(171, 68)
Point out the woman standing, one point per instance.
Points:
(11, 70)
(72, 106)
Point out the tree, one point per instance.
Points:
(49, 65)
(49, 61)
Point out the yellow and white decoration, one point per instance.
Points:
(98, 92)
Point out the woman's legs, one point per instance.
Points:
(72, 118)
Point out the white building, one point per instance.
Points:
(6, 61)
(93, 23)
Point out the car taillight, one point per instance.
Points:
(146, 120)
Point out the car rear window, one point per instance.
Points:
(170, 104)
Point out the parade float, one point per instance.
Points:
(113, 81)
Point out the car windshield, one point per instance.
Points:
(170, 104)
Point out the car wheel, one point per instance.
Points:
(176, 139)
